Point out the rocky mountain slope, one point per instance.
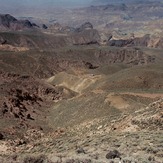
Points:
(65, 35)
(127, 138)
(8, 22)
(82, 92)
(52, 37)
(23, 102)
(145, 41)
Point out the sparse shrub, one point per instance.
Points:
(80, 150)
(150, 158)
(38, 159)
(70, 161)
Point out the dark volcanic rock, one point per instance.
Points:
(26, 23)
(8, 22)
(1, 136)
(44, 26)
(113, 154)
(90, 66)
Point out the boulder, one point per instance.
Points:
(113, 154)
(1, 136)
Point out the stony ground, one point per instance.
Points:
(115, 147)
(105, 143)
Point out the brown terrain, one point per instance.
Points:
(87, 90)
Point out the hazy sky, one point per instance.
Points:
(60, 3)
(33, 7)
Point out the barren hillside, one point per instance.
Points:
(84, 87)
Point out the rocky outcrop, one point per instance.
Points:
(145, 41)
(85, 26)
(148, 118)
(151, 117)
(58, 28)
(44, 26)
(25, 100)
(33, 39)
(128, 56)
(25, 95)
(85, 37)
(113, 154)
(120, 43)
(8, 22)
(1, 136)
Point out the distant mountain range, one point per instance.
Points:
(8, 22)
(99, 2)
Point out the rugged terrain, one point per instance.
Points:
(143, 17)
(81, 91)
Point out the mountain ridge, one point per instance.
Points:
(8, 22)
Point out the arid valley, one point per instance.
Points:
(82, 84)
